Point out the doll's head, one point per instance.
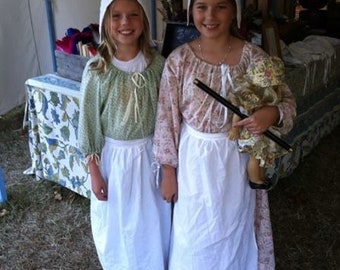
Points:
(266, 72)
(259, 86)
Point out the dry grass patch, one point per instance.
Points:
(43, 225)
(305, 209)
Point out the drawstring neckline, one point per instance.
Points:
(139, 82)
(225, 77)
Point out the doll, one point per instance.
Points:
(259, 87)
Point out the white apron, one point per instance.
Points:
(132, 229)
(213, 223)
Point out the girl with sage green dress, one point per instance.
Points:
(129, 219)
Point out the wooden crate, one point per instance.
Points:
(70, 66)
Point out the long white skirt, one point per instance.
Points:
(213, 223)
(132, 229)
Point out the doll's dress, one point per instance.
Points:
(257, 88)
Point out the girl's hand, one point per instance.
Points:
(169, 186)
(99, 187)
(261, 120)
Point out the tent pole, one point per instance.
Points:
(154, 19)
(51, 31)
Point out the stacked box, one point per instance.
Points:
(70, 66)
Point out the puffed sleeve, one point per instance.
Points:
(168, 119)
(90, 135)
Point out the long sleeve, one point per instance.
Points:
(288, 109)
(91, 138)
(168, 120)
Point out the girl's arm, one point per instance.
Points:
(281, 116)
(260, 120)
(167, 129)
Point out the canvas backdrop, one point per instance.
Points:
(25, 49)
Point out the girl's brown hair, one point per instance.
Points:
(107, 48)
(233, 28)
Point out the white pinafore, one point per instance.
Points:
(213, 222)
(131, 230)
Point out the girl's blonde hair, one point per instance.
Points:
(107, 47)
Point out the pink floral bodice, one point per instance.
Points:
(180, 100)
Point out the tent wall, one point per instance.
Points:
(74, 13)
(18, 51)
(25, 48)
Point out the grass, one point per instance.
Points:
(45, 226)
(305, 209)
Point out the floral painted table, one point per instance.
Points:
(52, 114)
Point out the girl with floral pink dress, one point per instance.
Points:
(219, 222)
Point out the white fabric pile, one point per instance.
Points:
(308, 52)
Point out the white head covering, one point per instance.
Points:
(238, 12)
(104, 5)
